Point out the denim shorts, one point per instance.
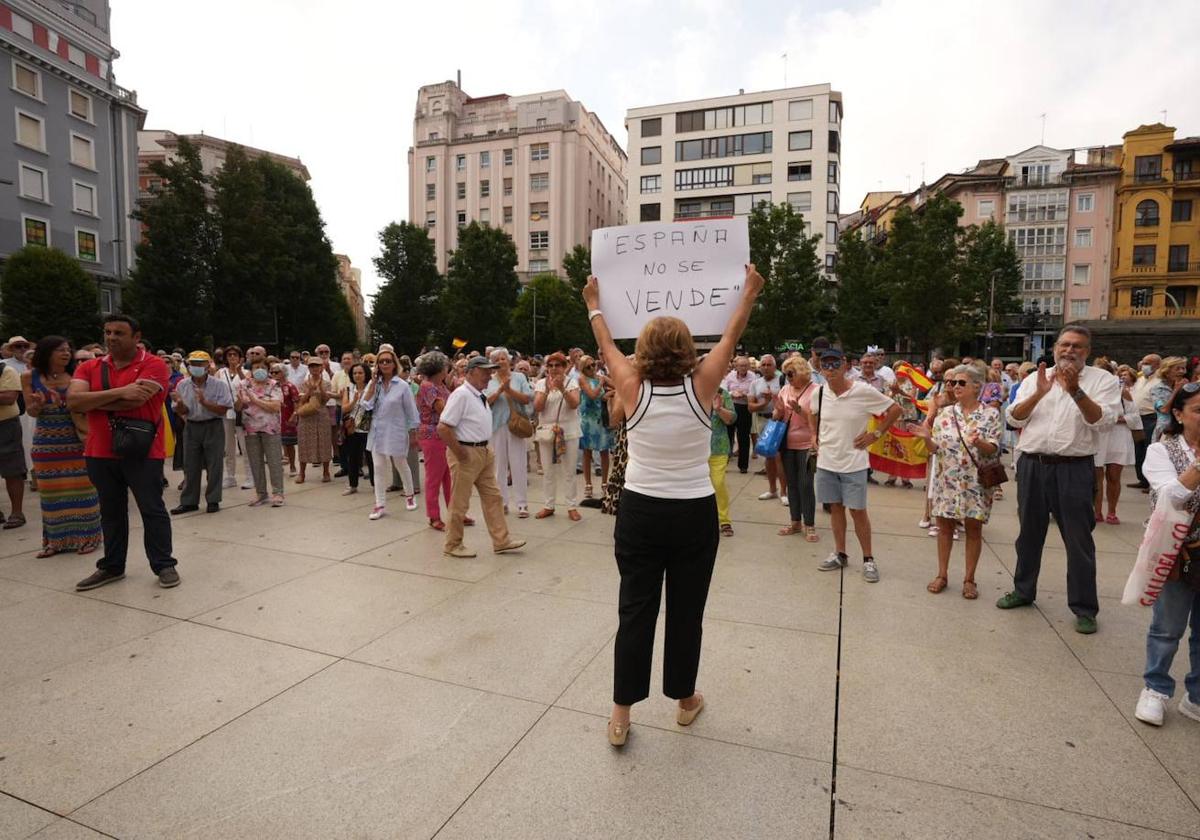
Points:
(849, 489)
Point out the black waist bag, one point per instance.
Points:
(131, 438)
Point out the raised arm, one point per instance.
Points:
(624, 375)
(712, 370)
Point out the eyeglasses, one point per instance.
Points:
(830, 364)
(959, 383)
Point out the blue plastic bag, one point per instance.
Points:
(770, 439)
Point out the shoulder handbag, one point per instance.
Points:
(520, 425)
(992, 473)
(131, 437)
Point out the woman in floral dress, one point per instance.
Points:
(596, 436)
(962, 435)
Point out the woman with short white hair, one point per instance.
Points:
(508, 392)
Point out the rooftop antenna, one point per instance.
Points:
(1043, 129)
(785, 69)
(922, 172)
(1164, 115)
(459, 76)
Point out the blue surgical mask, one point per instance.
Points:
(1147, 370)
(259, 375)
(197, 370)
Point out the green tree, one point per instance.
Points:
(919, 274)
(46, 292)
(796, 301)
(561, 317)
(987, 252)
(860, 305)
(481, 286)
(404, 312)
(275, 273)
(170, 289)
(578, 266)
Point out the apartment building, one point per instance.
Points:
(723, 156)
(159, 145)
(70, 163)
(540, 167)
(350, 283)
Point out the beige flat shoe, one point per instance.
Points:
(686, 716)
(617, 733)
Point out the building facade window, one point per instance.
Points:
(85, 245)
(430, 220)
(539, 266)
(1177, 258)
(107, 306)
(1079, 308)
(651, 183)
(651, 212)
(539, 151)
(1039, 241)
(733, 145)
(485, 215)
(835, 112)
(485, 160)
(1083, 237)
(830, 263)
(1081, 275)
(430, 192)
(462, 219)
(801, 201)
(508, 215)
(1085, 202)
(539, 182)
(1046, 206)
(508, 157)
(760, 113)
(1146, 213)
(433, 135)
(799, 140)
(1147, 168)
(26, 80)
(460, 190)
(539, 211)
(35, 231)
(485, 188)
(431, 164)
(800, 109)
(652, 127)
(831, 233)
(1181, 210)
(832, 173)
(799, 171)
(651, 155)
(1041, 275)
(79, 105)
(460, 163)
(83, 198)
(1145, 255)
(539, 239)
(507, 187)
(835, 143)
(831, 202)
(34, 183)
(31, 131)
(985, 208)
(83, 151)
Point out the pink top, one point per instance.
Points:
(427, 395)
(799, 434)
(255, 419)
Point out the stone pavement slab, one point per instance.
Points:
(19, 819)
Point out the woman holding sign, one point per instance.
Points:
(667, 519)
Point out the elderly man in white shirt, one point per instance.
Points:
(1061, 411)
(466, 427)
(1147, 378)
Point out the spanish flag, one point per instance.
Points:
(458, 343)
(915, 376)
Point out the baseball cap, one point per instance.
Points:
(199, 356)
(481, 362)
(832, 353)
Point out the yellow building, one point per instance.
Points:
(1156, 244)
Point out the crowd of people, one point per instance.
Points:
(98, 422)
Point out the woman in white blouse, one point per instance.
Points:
(556, 401)
(393, 417)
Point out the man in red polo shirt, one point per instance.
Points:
(137, 383)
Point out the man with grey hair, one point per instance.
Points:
(1061, 411)
(508, 391)
(1147, 379)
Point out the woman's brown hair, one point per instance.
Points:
(665, 350)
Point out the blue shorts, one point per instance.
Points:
(848, 489)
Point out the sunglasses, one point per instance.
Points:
(830, 364)
(959, 383)
(1190, 387)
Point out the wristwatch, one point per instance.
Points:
(1078, 395)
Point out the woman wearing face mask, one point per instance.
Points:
(263, 401)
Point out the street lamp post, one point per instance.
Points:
(1033, 315)
(987, 354)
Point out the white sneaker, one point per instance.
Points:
(377, 513)
(870, 571)
(247, 485)
(410, 503)
(833, 562)
(783, 500)
(1189, 709)
(924, 523)
(762, 497)
(229, 481)
(1151, 706)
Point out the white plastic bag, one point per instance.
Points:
(1165, 533)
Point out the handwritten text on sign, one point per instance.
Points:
(688, 270)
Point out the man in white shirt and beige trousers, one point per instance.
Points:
(1061, 412)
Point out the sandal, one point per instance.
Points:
(1112, 519)
(574, 515)
(937, 584)
(87, 549)
(15, 520)
(46, 552)
(788, 530)
(587, 491)
(970, 590)
(468, 521)
(727, 530)
(543, 513)
(437, 524)
(810, 534)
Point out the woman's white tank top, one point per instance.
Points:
(669, 438)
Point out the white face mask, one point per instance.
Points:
(1147, 370)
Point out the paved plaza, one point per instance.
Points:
(319, 675)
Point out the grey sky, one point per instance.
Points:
(940, 83)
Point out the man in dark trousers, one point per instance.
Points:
(202, 401)
(135, 389)
(1061, 411)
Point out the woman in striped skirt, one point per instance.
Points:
(70, 507)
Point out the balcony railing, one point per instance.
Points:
(1183, 267)
(1018, 182)
(1190, 174)
(1145, 269)
(1158, 310)
(1148, 177)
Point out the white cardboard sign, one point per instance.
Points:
(689, 270)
